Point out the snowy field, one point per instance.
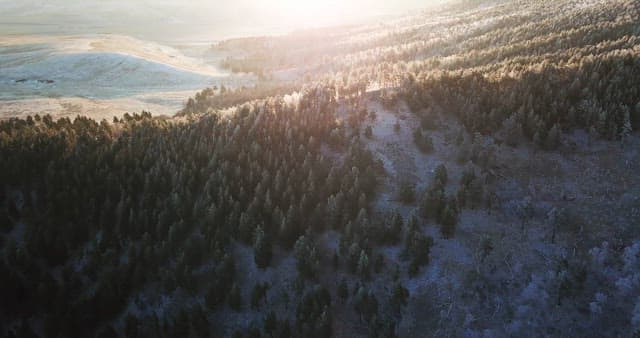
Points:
(98, 75)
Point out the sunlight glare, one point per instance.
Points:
(305, 14)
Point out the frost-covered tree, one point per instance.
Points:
(307, 256)
(262, 248)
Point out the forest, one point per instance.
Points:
(466, 171)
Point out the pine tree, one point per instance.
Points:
(307, 256)
(400, 297)
(262, 248)
(441, 176)
(449, 220)
(553, 137)
(406, 193)
(368, 132)
(512, 130)
(258, 294)
(363, 265)
(353, 256)
(343, 290)
(433, 202)
(270, 323)
(235, 298)
(625, 129)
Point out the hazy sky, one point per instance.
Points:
(173, 18)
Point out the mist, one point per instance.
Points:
(166, 20)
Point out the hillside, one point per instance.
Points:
(99, 73)
(470, 170)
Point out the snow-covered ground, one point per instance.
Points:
(513, 286)
(97, 75)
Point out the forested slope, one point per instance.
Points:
(465, 171)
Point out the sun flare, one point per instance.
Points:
(311, 13)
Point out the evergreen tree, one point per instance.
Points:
(235, 298)
(433, 202)
(262, 248)
(449, 220)
(307, 256)
(363, 265)
(441, 176)
(343, 290)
